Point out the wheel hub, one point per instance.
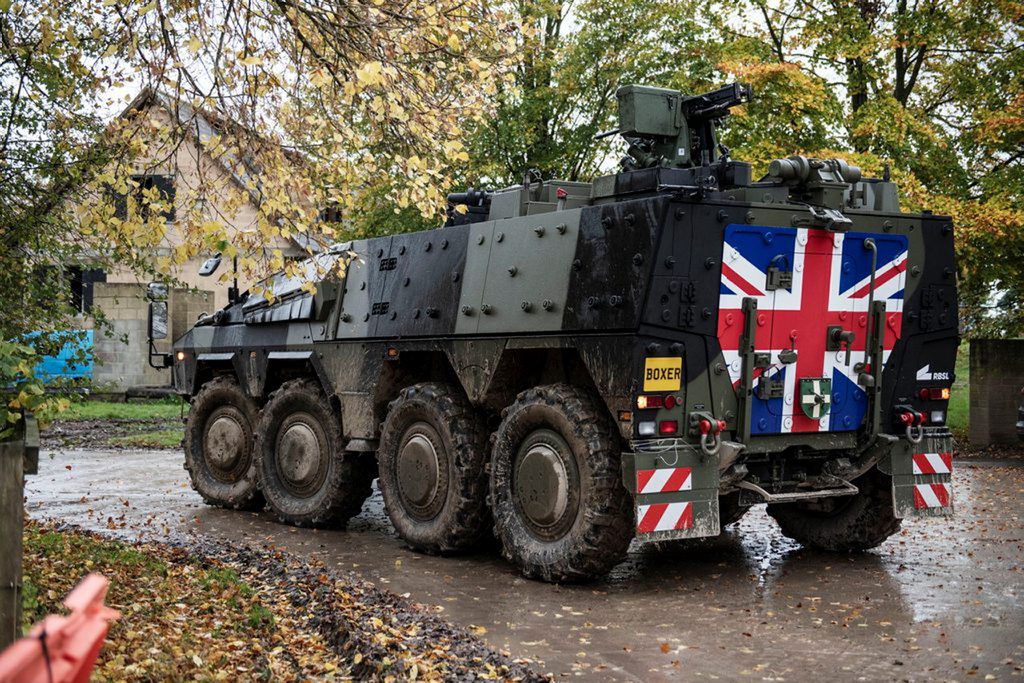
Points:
(299, 454)
(546, 488)
(542, 485)
(422, 471)
(225, 443)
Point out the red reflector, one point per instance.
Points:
(668, 427)
(644, 402)
(670, 402)
(934, 394)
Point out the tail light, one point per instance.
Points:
(668, 427)
(934, 394)
(645, 402)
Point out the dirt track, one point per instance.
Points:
(941, 600)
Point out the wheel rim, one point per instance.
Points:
(226, 444)
(422, 471)
(301, 455)
(546, 484)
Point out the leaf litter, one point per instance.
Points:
(209, 610)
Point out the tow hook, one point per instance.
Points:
(913, 422)
(710, 431)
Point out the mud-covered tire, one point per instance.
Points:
(551, 433)
(304, 473)
(218, 444)
(431, 461)
(729, 509)
(843, 524)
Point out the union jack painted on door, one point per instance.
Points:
(830, 286)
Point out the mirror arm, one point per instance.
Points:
(233, 290)
(166, 359)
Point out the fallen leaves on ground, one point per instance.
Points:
(222, 612)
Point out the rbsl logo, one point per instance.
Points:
(663, 374)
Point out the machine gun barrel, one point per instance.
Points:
(716, 104)
(470, 198)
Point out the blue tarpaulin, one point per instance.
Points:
(74, 361)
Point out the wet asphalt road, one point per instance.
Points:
(940, 600)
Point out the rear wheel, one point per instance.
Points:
(306, 476)
(560, 509)
(431, 461)
(219, 445)
(844, 523)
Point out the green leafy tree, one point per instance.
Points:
(934, 89)
(561, 91)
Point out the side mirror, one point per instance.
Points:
(156, 291)
(210, 266)
(157, 320)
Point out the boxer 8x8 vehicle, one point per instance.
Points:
(574, 365)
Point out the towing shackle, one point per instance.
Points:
(710, 430)
(913, 421)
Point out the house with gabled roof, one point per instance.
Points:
(174, 170)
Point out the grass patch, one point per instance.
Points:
(958, 412)
(114, 410)
(163, 438)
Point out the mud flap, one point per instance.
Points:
(921, 476)
(675, 493)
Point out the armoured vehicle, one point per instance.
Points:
(576, 365)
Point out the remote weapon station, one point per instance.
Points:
(570, 365)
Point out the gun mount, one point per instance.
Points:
(666, 128)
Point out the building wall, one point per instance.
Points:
(121, 353)
(997, 375)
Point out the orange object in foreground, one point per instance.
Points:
(63, 649)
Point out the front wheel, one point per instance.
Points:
(219, 445)
(306, 476)
(560, 508)
(844, 523)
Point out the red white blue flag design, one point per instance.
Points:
(830, 286)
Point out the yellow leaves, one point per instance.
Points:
(320, 77)
(194, 45)
(461, 208)
(370, 74)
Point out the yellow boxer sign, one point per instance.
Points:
(663, 374)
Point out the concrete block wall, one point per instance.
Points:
(997, 375)
(121, 352)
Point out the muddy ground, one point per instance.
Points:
(109, 434)
(941, 600)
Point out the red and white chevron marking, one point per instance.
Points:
(931, 496)
(664, 517)
(933, 463)
(664, 480)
